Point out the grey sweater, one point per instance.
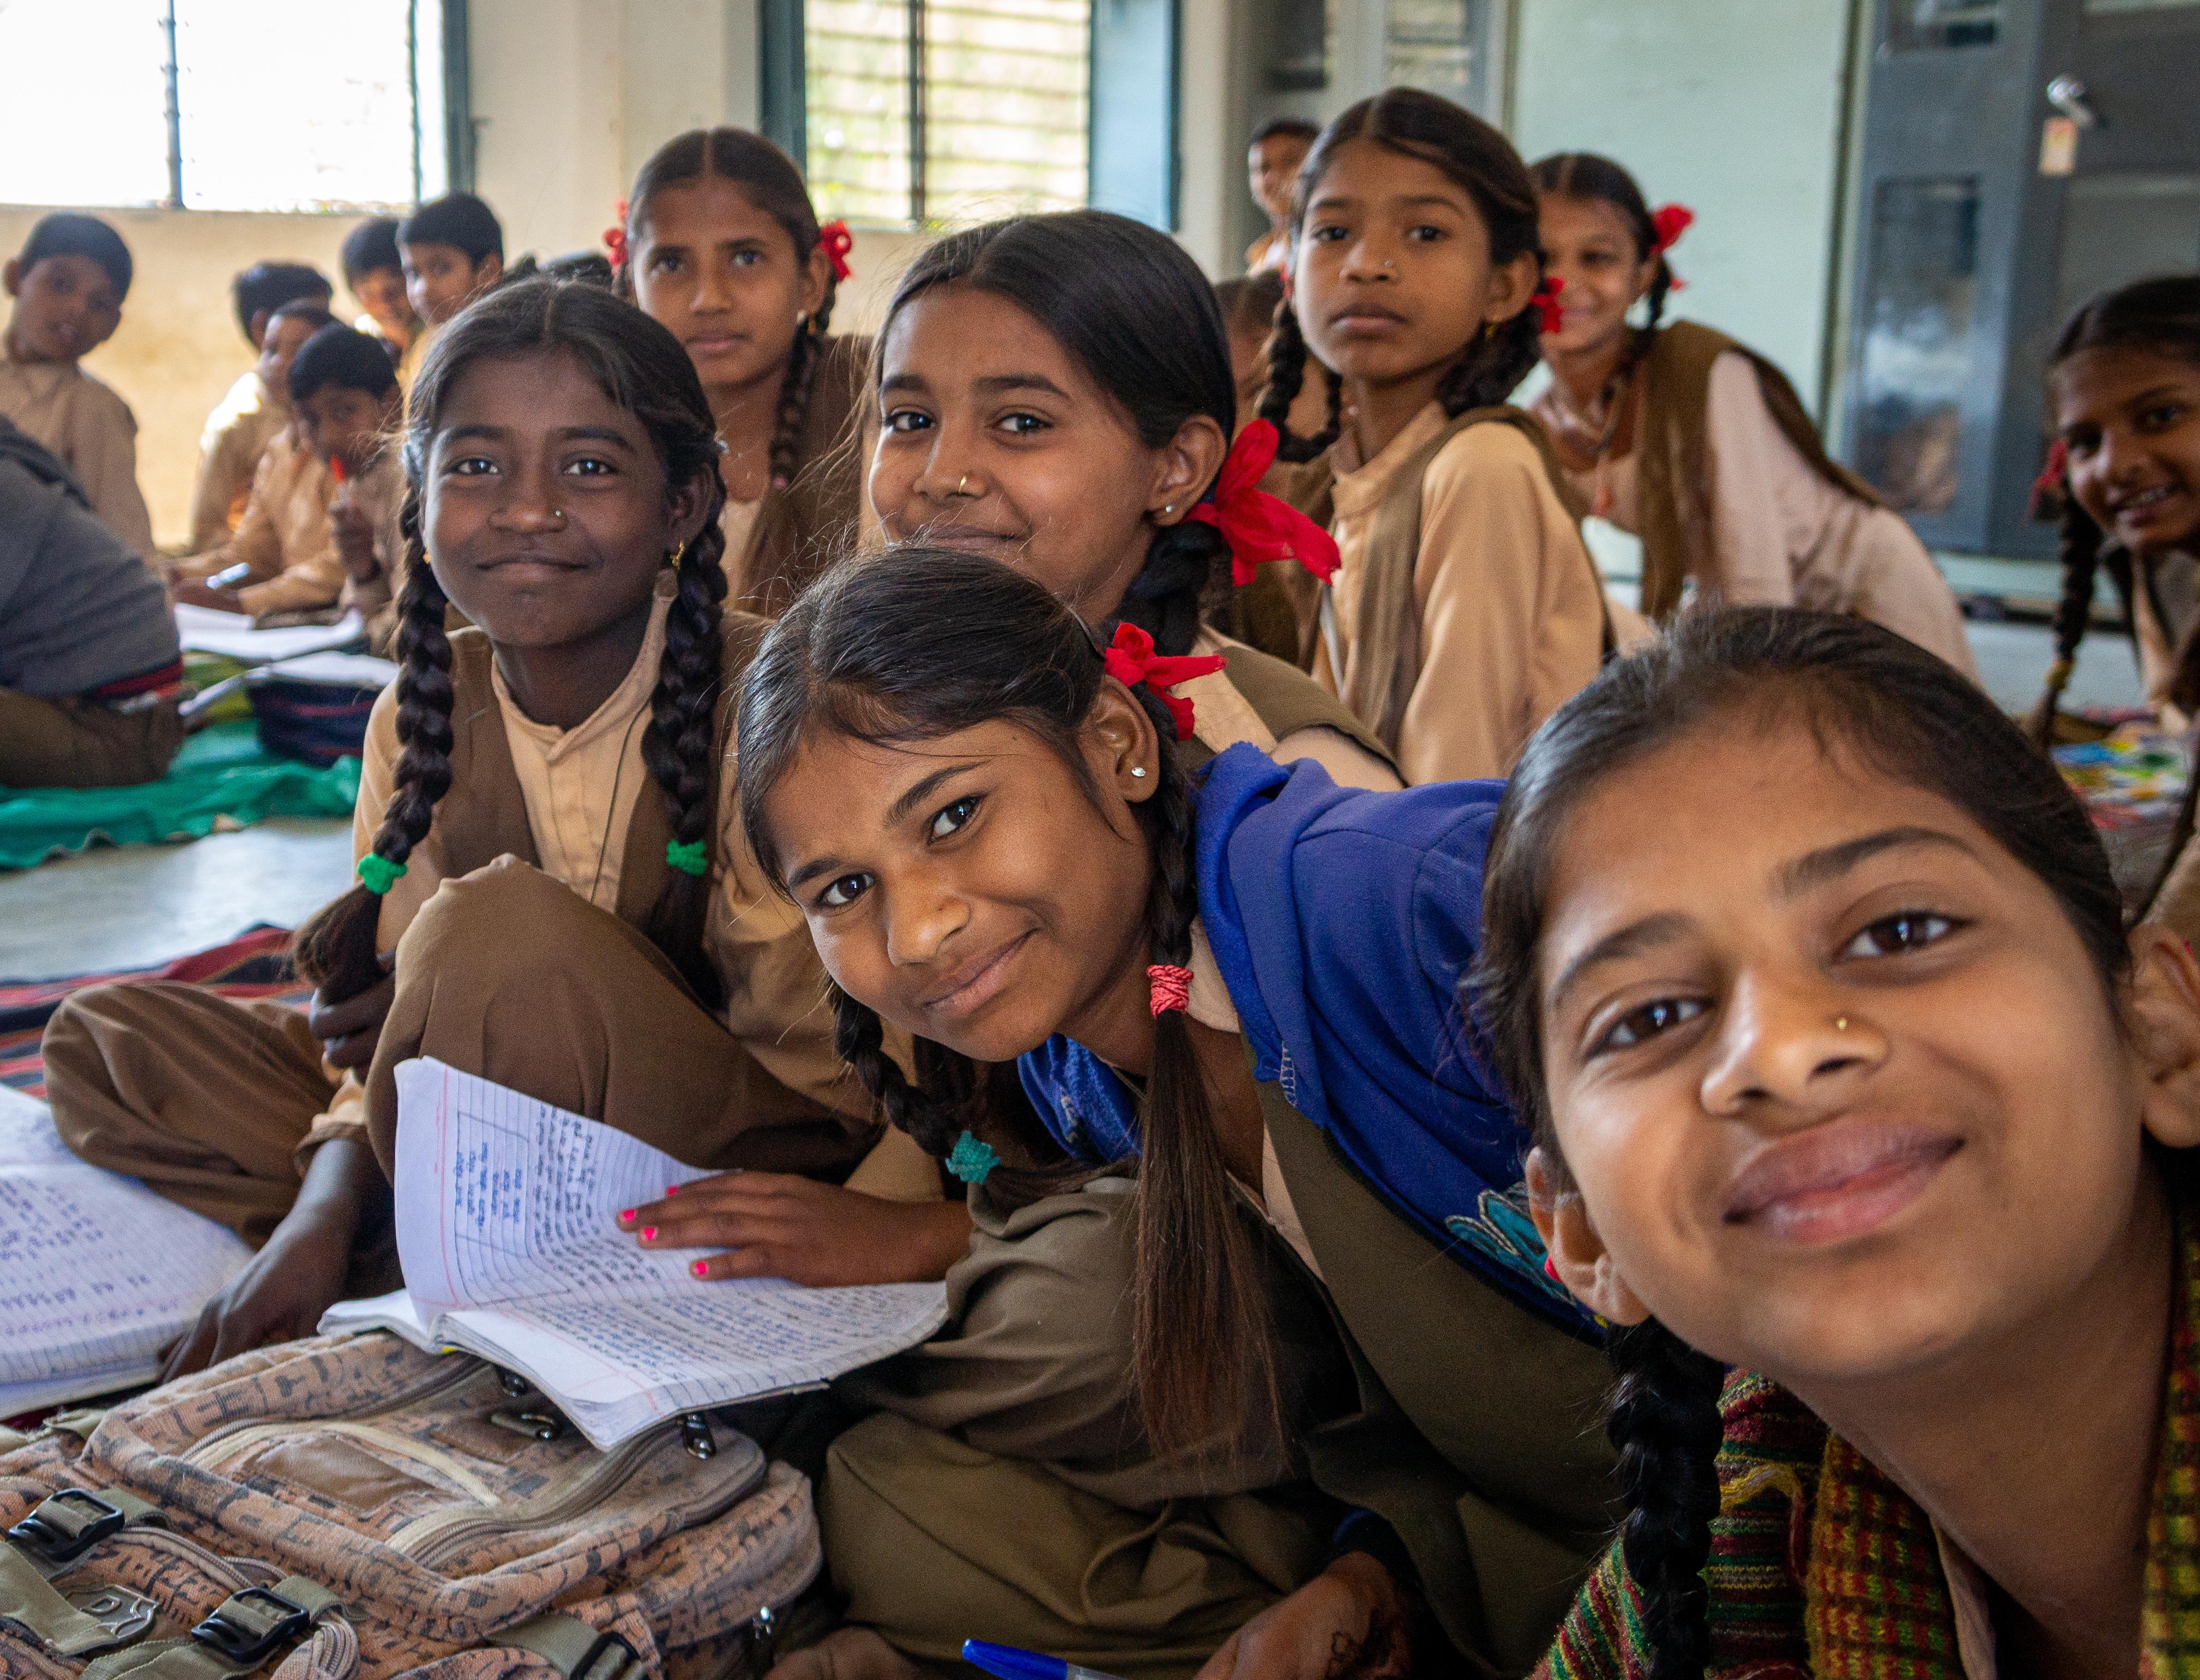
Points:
(77, 610)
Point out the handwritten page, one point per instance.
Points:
(97, 1273)
(507, 1229)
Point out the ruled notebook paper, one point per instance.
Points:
(507, 1231)
(97, 1273)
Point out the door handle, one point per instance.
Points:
(2069, 96)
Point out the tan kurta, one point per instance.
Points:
(285, 536)
(1512, 616)
(581, 785)
(92, 430)
(1221, 717)
(1782, 536)
(379, 492)
(237, 433)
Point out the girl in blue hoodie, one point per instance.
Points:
(1260, 1224)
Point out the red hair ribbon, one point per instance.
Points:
(1546, 299)
(1131, 660)
(615, 238)
(1259, 526)
(837, 242)
(2057, 468)
(1169, 987)
(1670, 221)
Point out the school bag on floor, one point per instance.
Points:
(347, 1508)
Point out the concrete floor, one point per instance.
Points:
(136, 905)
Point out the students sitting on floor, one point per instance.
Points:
(88, 659)
(257, 407)
(374, 274)
(452, 250)
(69, 282)
(284, 538)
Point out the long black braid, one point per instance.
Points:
(1665, 1424)
(2079, 551)
(915, 643)
(1287, 358)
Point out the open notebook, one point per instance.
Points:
(505, 1228)
(97, 1273)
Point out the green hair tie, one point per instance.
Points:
(688, 856)
(971, 1160)
(378, 873)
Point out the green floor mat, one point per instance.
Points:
(220, 779)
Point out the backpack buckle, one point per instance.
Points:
(63, 1526)
(247, 1625)
(608, 1658)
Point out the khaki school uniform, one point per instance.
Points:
(237, 433)
(1785, 534)
(285, 536)
(93, 431)
(1510, 614)
(532, 973)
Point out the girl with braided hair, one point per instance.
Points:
(1907, 1304)
(2124, 397)
(553, 890)
(1466, 607)
(718, 240)
(1055, 392)
(1232, 1002)
(1699, 445)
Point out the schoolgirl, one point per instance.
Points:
(550, 893)
(1907, 1309)
(1233, 1006)
(1466, 607)
(1055, 392)
(718, 240)
(2124, 395)
(1699, 445)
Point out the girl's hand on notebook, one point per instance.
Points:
(778, 1225)
(350, 1030)
(192, 592)
(1351, 1622)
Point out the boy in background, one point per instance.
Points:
(453, 249)
(89, 665)
(1272, 162)
(69, 282)
(246, 420)
(375, 275)
(348, 406)
(284, 539)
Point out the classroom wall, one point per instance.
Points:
(1731, 107)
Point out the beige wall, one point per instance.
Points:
(179, 349)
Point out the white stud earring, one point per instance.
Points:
(1138, 770)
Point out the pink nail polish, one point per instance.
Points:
(699, 1267)
(627, 1217)
(649, 1233)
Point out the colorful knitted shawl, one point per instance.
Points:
(1822, 1569)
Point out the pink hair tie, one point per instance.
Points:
(1172, 987)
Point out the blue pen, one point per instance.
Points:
(1010, 1664)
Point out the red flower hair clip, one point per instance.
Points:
(1259, 526)
(837, 242)
(1670, 222)
(1131, 660)
(615, 238)
(1551, 316)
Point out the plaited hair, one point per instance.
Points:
(1872, 696)
(776, 187)
(1129, 307)
(2159, 317)
(1482, 163)
(642, 368)
(1585, 175)
(913, 644)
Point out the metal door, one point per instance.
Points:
(2018, 157)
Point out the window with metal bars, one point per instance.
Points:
(943, 113)
(255, 105)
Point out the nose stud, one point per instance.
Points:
(962, 485)
(1841, 1024)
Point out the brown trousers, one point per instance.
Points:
(78, 743)
(1005, 1488)
(505, 973)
